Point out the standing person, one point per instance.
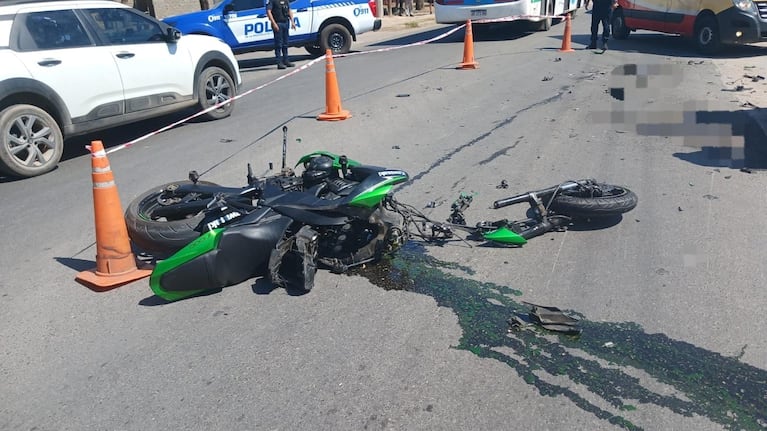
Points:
(601, 13)
(281, 17)
(409, 7)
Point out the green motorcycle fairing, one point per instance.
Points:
(377, 192)
(203, 244)
(505, 235)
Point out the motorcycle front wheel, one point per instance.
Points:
(162, 234)
(583, 203)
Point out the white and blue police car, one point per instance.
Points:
(320, 24)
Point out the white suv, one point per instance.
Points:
(72, 67)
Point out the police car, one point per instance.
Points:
(320, 24)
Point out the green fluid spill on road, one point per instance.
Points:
(720, 388)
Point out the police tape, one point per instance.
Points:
(214, 107)
(312, 63)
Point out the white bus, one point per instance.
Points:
(460, 11)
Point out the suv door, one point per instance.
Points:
(58, 51)
(153, 72)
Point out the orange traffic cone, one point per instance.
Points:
(115, 263)
(333, 110)
(468, 49)
(566, 38)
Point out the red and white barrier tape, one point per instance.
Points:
(312, 63)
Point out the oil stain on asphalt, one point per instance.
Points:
(721, 388)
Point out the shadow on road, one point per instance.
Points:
(669, 45)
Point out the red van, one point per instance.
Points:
(709, 23)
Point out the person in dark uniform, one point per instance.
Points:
(601, 13)
(281, 18)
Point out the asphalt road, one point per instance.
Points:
(672, 295)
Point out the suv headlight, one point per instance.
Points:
(744, 5)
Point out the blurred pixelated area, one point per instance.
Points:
(722, 137)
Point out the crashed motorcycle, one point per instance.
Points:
(283, 227)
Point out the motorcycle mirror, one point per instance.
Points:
(194, 176)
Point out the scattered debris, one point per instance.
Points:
(754, 78)
(748, 104)
(727, 177)
(737, 89)
(749, 67)
(549, 318)
(680, 209)
(558, 59)
(710, 197)
(503, 185)
(225, 140)
(692, 62)
(434, 204)
(746, 170)
(395, 147)
(403, 95)
(547, 78)
(458, 207)
(608, 344)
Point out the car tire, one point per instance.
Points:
(618, 24)
(215, 85)
(31, 142)
(707, 38)
(336, 38)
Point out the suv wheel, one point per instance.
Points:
(215, 86)
(336, 38)
(31, 142)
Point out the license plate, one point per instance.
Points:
(478, 12)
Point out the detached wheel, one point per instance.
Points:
(612, 201)
(707, 38)
(314, 50)
(31, 142)
(215, 85)
(336, 38)
(620, 31)
(155, 233)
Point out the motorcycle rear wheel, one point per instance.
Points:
(160, 235)
(615, 200)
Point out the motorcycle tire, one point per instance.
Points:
(160, 236)
(615, 200)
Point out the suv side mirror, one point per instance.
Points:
(173, 34)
